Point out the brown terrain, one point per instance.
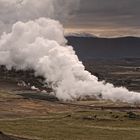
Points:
(27, 114)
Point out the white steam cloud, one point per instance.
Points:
(12, 11)
(40, 44)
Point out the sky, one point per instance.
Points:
(106, 18)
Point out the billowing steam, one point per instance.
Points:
(40, 45)
(12, 11)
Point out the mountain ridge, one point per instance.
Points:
(97, 47)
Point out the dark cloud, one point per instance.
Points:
(108, 14)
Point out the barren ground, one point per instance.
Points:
(26, 114)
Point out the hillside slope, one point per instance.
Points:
(93, 47)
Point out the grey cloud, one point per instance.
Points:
(108, 12)
(12, 11)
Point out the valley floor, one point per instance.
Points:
(30, 115)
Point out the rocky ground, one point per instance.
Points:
(120, 72)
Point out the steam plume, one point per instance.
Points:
(40, 45)
(12, 11)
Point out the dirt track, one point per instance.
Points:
(8, 137)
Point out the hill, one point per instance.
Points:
(88, 47)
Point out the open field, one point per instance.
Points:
(31, 115)
(41, 119)
(74, 125)
(72, 122)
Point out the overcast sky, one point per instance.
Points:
(107, 17)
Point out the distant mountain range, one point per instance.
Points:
(88, 46)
